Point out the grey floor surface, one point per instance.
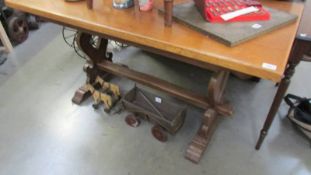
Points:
(42, 132)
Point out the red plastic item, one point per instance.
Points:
(211, 10)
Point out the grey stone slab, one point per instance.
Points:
(231, 33)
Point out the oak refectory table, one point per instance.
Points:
(264, 57)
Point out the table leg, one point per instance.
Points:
(96, 55)
(300, 48)
(209, 121)
(275, 105)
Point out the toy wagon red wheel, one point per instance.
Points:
(132, 120)
(159, 133)
(18, 29)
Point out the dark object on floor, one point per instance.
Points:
(165, 115)
(33, 22)
(17, 28)
(17, 24)
(2, 59)
(300, 113)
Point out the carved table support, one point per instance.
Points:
(96, 54)
(300, 48)
(215, 95)
(200, 141)
(100, 62)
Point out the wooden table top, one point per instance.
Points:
(147, 28)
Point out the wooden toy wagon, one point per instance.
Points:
(165, 115)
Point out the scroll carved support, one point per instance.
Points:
(209, 121)
(96, 53)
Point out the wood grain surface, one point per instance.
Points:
(147, 28)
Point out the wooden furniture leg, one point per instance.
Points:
(5, 40)
(300, 48)
(201, 139)
(276, 104)
(215, 95)
(95, 55)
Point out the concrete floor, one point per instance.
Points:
(42, 132)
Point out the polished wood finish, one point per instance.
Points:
(300, 51)
(148, 29)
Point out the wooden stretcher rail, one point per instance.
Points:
(153, 82)
(162, 85)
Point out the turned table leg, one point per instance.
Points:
(275, 105)
(300, 48)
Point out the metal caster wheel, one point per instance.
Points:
(159, 133)
(132, 120)
(18, 29)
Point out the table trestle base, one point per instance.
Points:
(100, 64)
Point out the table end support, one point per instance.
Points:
(199, 143)
(215, 95)
(95, 54)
